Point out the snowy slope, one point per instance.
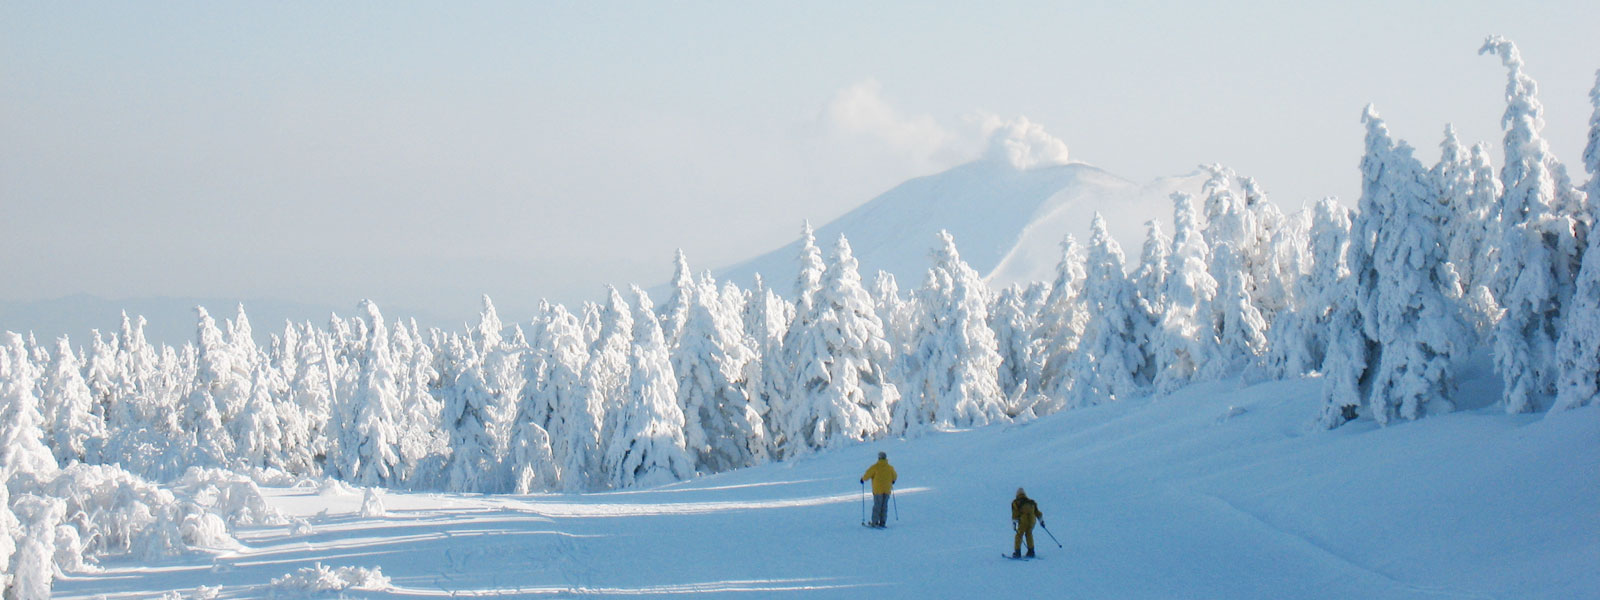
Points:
(1216, 492)
(1006, 221)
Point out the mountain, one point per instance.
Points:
(1008, 222)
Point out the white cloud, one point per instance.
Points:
(1022, 143)
(860, 113)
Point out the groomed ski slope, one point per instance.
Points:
(1216, 492)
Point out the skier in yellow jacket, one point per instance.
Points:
(883, 478)
(1023, 513)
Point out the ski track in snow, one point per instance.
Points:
(1150, 499)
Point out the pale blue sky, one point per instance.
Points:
(422, 154)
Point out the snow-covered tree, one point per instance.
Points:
(76, 433)
(421, 436)
(33, 567)
(675, 311)
(311, 399)
(1578, 348)
(1184, 341)
(953, 365)
(369, 446)
(766, 322)
(503, 379)
(1346, 374)
(1299, 337)
(1470, 196)
(809, 281)
(1060, 325)
(1013, 326)
(606, 375)
(22, 448)
(574, 415)
(722, 429)
(1238, 325)
(261, 431)
(836, 351)
(1538, 244)
(466, 418)
(647, 446)
(216, 381)
(1408, 286)
(1110, 358)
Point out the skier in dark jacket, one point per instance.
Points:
(1023, 513)
(883, 478)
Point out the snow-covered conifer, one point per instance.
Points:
(369, 450)
(1300, 337)
(894, 311)
(606, 376)
(1538, 245)
(809, 280)
(952, 379)
(836, 352)
(33, 567)
(1348, 352)
(766, 322)
(1578, 349)
(722, 429)
(22, 447)
(1013, 326)
(421, 436)
(1109, 359)
(215, 377)
(261, 431)
(574, 415)
(466, 417)
(503, 379)
(311, 397)
(76, 433)
(647, 446)
(1184, 341)
(676, 309)
(1407, 287)
(1060, 324)
(1240, 329)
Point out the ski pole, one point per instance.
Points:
(1052, 535)
(864, 503)
(896, 506)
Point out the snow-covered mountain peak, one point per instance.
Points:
(1007, 221)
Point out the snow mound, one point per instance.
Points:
(333, 487)
(372, 504)
(230, 495)
(309, 581)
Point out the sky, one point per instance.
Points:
(424, 154)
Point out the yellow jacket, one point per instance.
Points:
(882, 476)
(1024, 511)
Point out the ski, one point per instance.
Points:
(1010, 557)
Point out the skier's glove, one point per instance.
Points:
(1014, 524)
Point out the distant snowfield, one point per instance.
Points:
(1220, 491)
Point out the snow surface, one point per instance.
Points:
(1218, 491)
